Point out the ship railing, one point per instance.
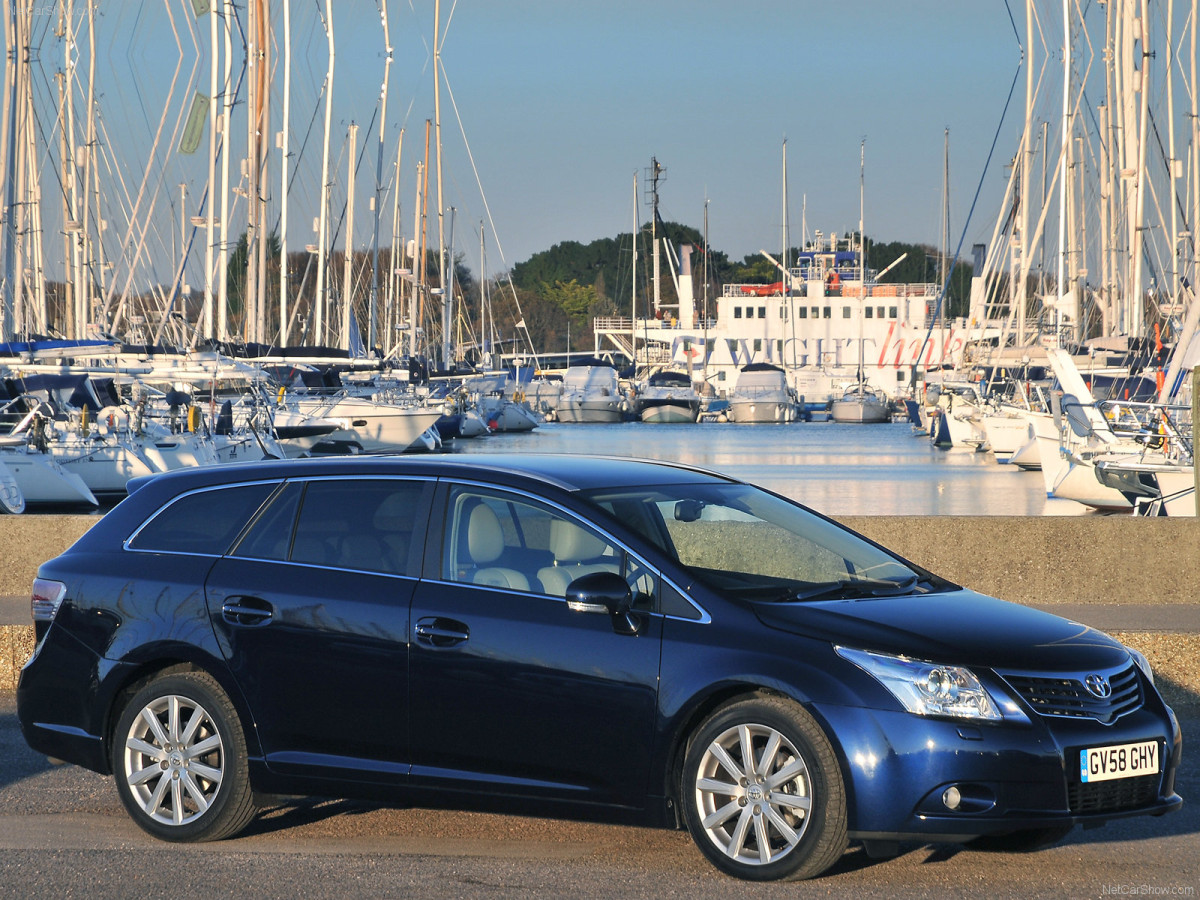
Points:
(845, 289)
(619, 324)
(1157, 425)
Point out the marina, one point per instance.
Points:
(837, 469)
(160, 334)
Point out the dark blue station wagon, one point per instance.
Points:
(583, 637)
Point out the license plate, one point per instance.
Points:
(1120, 761)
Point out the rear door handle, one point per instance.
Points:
(246, 611)
(437, 632)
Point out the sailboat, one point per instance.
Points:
(861, 403)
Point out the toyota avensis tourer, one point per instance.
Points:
(576, 637)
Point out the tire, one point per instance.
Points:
(783, 816)
(179, 760)
(1025, 841)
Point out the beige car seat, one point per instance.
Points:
(571, 546)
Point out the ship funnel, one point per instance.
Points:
(687, 311)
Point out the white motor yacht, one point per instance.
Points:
(762, 396)
(591, 393)
(668, 397)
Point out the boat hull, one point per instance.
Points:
(42, 480)
(761, 412)
(865, 412)
(666, 412)
(374, 427)
(600, 411)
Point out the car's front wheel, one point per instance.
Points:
(762, 794)
(179, 757)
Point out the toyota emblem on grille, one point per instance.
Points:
(1098, 686)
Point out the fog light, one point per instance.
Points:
(951, 797)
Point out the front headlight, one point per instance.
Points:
(1142, 662)
(925, 688)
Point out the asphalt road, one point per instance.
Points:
(63, 833)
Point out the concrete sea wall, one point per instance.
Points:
(1148, 567)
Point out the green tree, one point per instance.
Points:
(573, 298)
(239, 267)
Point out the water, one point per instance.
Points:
(837, 469)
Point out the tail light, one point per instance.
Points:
(47, 597)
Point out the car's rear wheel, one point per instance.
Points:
(763, 795)
(179, 757)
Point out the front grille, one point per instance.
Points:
(1112, 796)
(1057, 696)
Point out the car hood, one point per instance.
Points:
(956, 627)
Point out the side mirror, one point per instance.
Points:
(605, 593)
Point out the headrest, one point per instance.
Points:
(394, 513)
(485, 540)
(570, 543)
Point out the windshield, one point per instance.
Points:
(744, 541)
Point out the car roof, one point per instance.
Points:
(572, 472)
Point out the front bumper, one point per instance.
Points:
(1009, 776)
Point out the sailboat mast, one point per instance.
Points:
(1137, 258)
(9, 131)
(655, 172)
(1064, 149)
(704, 363)
(862, 255)
(484, 352)
(633, 319)
(416, 300)
(437, 135)
(284, 149)
(348, 254)
(373, 296)
(262, 129)
(1195, 117)
(785, 252)
(226, 115)
(395, 299)
(206, 315)
(318, 335)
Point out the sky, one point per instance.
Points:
(565, 103)
(550, 108)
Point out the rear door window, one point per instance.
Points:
(366, 525)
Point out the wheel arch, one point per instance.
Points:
(702, 708)
(137, 674)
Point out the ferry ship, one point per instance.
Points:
(828, 324)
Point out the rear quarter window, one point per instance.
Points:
(204, 522)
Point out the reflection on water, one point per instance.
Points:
(838, 469)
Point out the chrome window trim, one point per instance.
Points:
(705, 618)
(125, 545)
(322, 567)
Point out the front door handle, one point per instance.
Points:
(438, 632)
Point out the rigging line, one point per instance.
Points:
(446, 27)
(1012, 22)
(487, 207)
(970, 214)
(141, 237)
(1166, 160)
(357, 163)
(295, 170)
